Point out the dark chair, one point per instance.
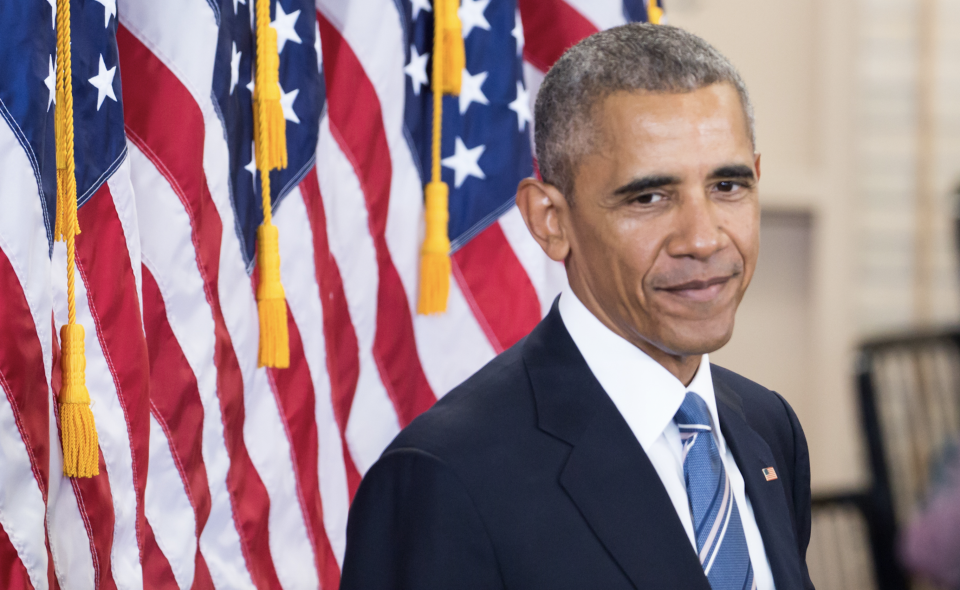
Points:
(840, 556)
(909, 393)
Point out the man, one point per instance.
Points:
(603, 450)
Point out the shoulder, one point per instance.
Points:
(754, 401)
(765, 410)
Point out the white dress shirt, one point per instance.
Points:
(648, 396)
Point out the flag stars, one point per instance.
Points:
(234, 66)
(51, 83)
(521, 106)
(235, 2)
(418, 5)
(286, 102)
(471, 15)
(103, 82)
(464, 162)
(417, 69)
(53, 17)
(470, 90)
(285, 26)
(109, 9)
(517, 32)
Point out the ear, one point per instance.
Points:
(543, 206)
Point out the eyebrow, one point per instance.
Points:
(738, 171)
(646, 183)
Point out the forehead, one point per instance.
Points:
(704, 123)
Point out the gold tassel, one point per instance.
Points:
(654, 12)
(451, 44)
(272, 305)
(77, 430)
(269, 125)
(270, 137)
(449, 60)
(435, 252)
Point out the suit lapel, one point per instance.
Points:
(769, 502)
(619, 493)
(607, 475)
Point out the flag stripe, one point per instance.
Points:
(25, 364)
(13, 574)
(483, 266)
(373, 422)
(125, 207)
(551, 27)
(156, 568)
(95, 501)
(307, 308)
(168, 253)
(166, 124)
(175, 539)
(296, 390)
(22, 375)
(70, 536)
(121, 552)
(295, 396)
(22, 505)
(342, 351)
(603, 15)
(104, 260)
(355, 119)
(177, 408)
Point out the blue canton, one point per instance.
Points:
(303, 95)
(28, 94)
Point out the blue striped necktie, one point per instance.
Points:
(721, 544)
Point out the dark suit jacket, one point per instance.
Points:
(526, 476)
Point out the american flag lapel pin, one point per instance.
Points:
(769, 474)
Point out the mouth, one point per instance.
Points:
(699, 290)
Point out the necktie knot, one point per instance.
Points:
(693, 413)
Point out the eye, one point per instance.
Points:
(648, 199)
(728, 186)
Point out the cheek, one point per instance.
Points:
(745, 233)
(636, 248)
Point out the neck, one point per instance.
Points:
(683, 367)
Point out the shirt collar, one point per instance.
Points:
(646, 394)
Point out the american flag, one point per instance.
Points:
(214, 472)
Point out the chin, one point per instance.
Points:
(698, 338)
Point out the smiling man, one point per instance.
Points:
(604, 450)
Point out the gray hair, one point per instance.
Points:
(637, 56)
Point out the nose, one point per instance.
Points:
(697, 231)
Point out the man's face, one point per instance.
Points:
(663, 230)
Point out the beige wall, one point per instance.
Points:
(848, 249)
